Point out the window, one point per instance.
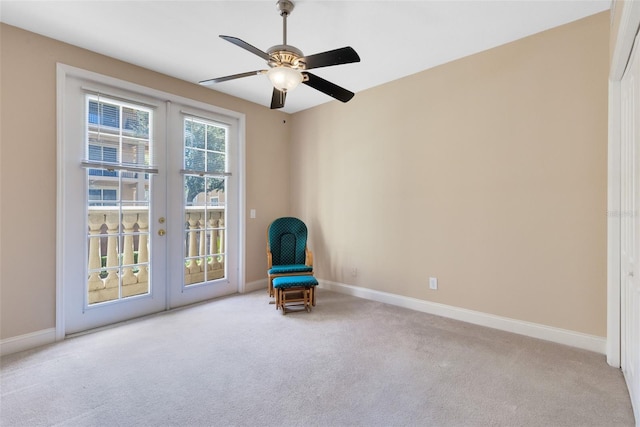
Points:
(205, 145)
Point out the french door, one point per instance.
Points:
(148, 203)
(204, 242)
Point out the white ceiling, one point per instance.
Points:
(393, 38)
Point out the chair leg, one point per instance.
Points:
(312, 296)
(272, 292)
(282, 301)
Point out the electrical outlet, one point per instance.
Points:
(433, 283)
(354, 271)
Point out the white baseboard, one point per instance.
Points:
(254, 286)
(27, 341)
(534, 330)
(48, 336)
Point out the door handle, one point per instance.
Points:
(161, 232)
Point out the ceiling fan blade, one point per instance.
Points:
(345, 55)
(247, 46)
(232, 77)
(277, 99)
(325, 86)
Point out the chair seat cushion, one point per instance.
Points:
(294, 282)
(290, 268)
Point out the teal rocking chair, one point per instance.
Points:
(287, 252)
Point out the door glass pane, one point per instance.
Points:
(205, 146)
(117, 200)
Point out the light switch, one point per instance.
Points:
(252, 213)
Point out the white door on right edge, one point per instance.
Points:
(630, 228)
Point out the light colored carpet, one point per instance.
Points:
(350, 362)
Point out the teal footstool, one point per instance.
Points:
(295, 291)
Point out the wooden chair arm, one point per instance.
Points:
(269, 262)
(308, 257)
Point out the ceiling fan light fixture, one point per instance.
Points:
(284, 78)
(288, 66)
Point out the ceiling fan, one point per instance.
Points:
(288, 66)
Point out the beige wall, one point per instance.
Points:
(28, 169)
(489, 173)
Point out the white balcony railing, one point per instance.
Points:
(118, 259)
(205, 244)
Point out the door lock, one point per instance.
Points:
(161, 220)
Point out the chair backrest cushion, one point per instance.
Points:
(287, 241)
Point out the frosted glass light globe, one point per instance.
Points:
(284, 78)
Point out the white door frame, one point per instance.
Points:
(629, 24)
(63, 71)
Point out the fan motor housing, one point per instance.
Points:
(286, 55)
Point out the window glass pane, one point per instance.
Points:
(216, 138)
(194, 185)
(118, 205)
(215, 191)
(104, 114)
(94, 117)
(194, 134)
(98, 142)
(194, 159)
(95, 152)
(135, 151)
(215, 162)
(136, 122)
(188, 133)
